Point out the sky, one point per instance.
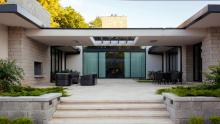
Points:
(140, 13)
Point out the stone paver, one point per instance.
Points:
(116, 89)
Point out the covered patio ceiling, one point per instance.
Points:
(141, 37)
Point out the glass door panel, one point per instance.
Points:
(137, 64)
(90, 63)
(127, 63)
(102, 65)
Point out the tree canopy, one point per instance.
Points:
(63, 17)
(97, 23)
(2, 1)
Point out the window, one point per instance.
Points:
(37, 68)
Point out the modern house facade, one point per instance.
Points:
(26, 36)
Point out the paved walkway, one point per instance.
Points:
(115, 89)
(112, 101)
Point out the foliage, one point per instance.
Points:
(4, 120)
(201, 90)
(10, 75)
(145, 81)
(28, 91)
(2, 1)
(196, 120)
(69, 18)
(63, 17)
(214, 74)
(215, 120)
(22, 121)
(97, 23)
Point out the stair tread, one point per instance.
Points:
(70, 100)
(111, 121)
(114, 113)
(111, 106)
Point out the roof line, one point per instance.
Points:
(14, 9)
(211, 8)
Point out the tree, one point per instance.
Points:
(54, 8)
(2, 1)
(97, 23)
(69, 18)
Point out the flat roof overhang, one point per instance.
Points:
(207, 17)
(144, 37)
(16, 16)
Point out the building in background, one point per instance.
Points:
(114, 21)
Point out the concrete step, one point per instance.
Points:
(109, 114)
(72, 101)
(112, 106)
(111, 121)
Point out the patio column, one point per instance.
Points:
(211, 49)
(187, 63)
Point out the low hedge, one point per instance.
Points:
(196, 120)
(215, 120)
(29, 91)
(5, 120)
(200, 90)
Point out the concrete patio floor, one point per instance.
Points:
(116, 89)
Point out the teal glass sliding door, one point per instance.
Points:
(90, 63)
(127, 64)
(102, 64)
(137, 64)
(114, 64)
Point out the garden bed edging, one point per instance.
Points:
(181, 109)
(38, 108)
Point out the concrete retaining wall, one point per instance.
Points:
(181, 109)
(39, 108)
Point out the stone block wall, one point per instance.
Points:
(181, 109)
(26, 51)
(40, 108)
(211, 49)
(187, 63)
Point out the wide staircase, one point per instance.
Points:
(110, 112)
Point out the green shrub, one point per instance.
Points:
(29, 91)
(215, 119)
(200, 90)
(214, 74)
(22, 121)
(10, 75)
(4, 120)
(196, 120)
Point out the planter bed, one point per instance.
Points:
(38, 108)
(181, 109)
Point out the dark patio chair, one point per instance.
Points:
(180, 74)
(174, 77)
(63, 79)
(88, 80)
(167, 77)
(74, 77)
(159, 77)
